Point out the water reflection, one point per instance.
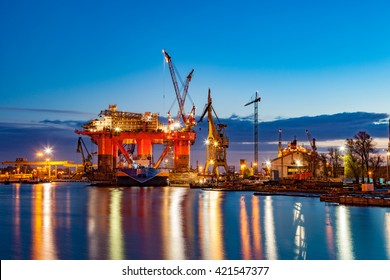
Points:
(16, 220)
(175, 236)
(387, 233)
(344, 238)
(256, 229)
(300, 239)
(43, 224)
(329, 233)
(210, 221)
(116, 231)
(245, 231)
(52, 221)
(270, 239)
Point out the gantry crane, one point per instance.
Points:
(256, 131)
(217, 142)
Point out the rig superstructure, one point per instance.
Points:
(125, 142)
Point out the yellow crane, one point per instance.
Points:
(217, 142)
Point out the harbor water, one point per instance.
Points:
(78, 221)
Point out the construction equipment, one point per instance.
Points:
(188, 121)
(216, 142)
(280, 147)
(314, 158)
(312, 141)
(181, 145)
(256, 131)
(87, 160)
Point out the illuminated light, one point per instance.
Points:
(39, 154)
(268, 163)
(211, 161)
(342, 148)
(298, 163)
(177, 125)
(117, 129)
(48, 150)
(207, 141)
(215, 143)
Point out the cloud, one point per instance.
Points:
(42, 110)
(23, 139)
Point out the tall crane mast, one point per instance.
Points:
(256, 131)
(280, 147)
(190, 120)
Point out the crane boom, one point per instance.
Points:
(87, 161)
(258, 99)
(311, 140)
(175, 85)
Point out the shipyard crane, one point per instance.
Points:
(312, 141)
(280, 147)
(217, 142)
(313, 154)
(189, 121)
(87, 159)
(256, 130)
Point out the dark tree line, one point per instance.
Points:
(362, 160)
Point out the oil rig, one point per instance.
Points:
(125, 144)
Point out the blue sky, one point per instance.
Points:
(67, 60)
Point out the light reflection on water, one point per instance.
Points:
(73, 221)
(44, 245)
(387, 233)
(299, 240)
(344, 238)
(269, 224)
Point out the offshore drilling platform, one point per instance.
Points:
(126, 140)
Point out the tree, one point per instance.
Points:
(334, 160)
(313, 161)
(352, 167)
(359, 150)
(375, 162)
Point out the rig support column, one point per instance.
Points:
(105, 153)
(182, 155)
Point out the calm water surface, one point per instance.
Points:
(76, 221)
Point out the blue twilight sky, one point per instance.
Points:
(61, 62)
